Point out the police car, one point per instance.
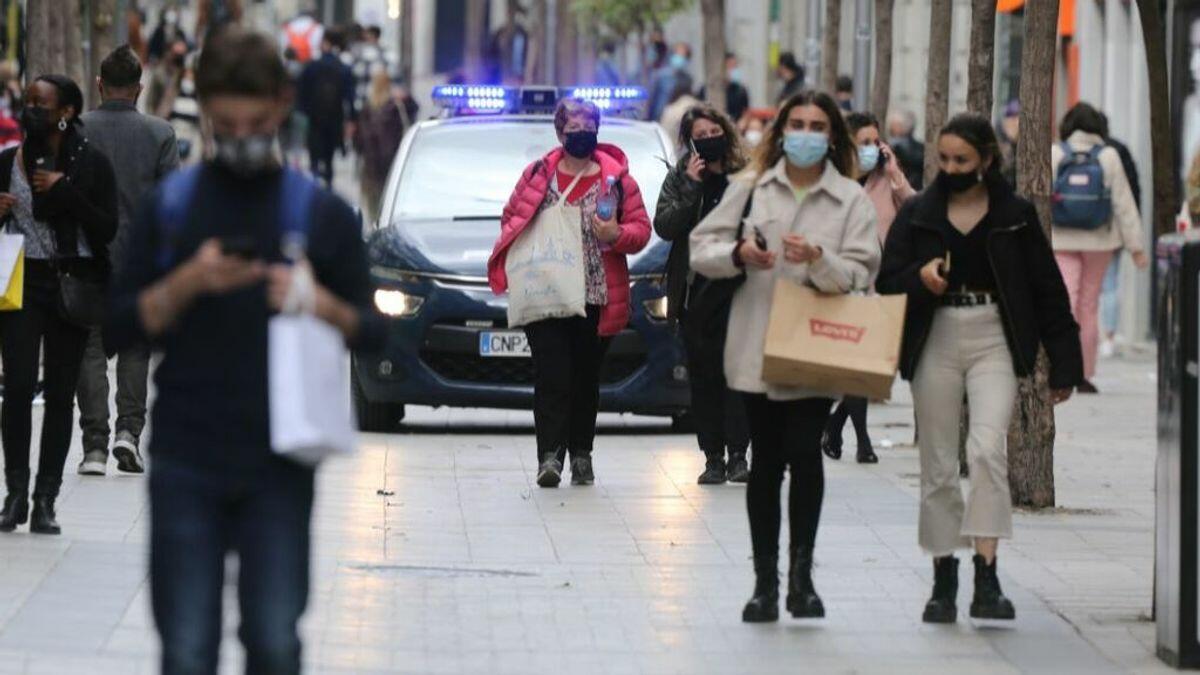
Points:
(450, 344)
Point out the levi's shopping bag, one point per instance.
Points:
(545, 266)
(12, 272)
(840, 344)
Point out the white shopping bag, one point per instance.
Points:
(309, 384)
(12, 272)
(545, 266)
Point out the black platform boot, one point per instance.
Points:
(714, 469)
(989, 601)
(739, 469)
(942, 606)
(764, 606)
(16, 504)
(802, 599)
(43, 520)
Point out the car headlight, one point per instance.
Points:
(398, 303)
(657, 308)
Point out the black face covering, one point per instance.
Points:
(957, 182)
(711, 149)
(580, 144)
(35, 121)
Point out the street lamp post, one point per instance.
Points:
(812, 45)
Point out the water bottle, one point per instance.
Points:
(606, 205)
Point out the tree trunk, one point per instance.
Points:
(585, 65)
(1163, 164)
(71, 40)
(566, 45)
(1031, 434)
(830, 43)
(535, 72)
(714, 52)
(882, 91)
(982, 63)
(406, 42)
(104, 17)
(475, 34)
(40, 55)
(937, 89)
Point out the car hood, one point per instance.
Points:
(462, 247)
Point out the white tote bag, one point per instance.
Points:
(309, 382)
(545, 266)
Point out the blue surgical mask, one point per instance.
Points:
(679, 61)
(805, 149)
(736, 75)
(868, 158)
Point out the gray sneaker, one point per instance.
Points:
(95, 463)
(550, 472)
(127, 454)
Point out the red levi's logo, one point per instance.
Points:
(836, 331)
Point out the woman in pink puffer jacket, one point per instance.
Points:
(567, 352)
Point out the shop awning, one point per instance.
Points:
(1066, 13)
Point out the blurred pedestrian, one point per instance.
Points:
(10, 105)
(1009, 133)
(59, 192)
(737, 98)
(1109, 297)
(142, 150)
(303, 35)
(607, 74)
(790, 75)
(204, 301)
(567, 352)
(325, 95)
(881, 176)
(843, 93)
(909, 151)
(984, 294)
(669, 79)
(381, 127)
(810, 223)
(680, 102)
(369, 59)
(753, 127)
(693, 188)
(212, 15)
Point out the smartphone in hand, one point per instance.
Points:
(239, 246)
(759, 240)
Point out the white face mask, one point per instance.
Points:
(754, 137)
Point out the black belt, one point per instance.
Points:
(967, 299)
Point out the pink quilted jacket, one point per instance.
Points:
(527, 198)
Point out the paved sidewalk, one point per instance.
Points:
(436, 554)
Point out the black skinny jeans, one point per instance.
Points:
(719, 414)
(855, 408)
(785, 434)
(567, 354)
(24, 332)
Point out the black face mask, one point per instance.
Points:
(957, 182)
(246, 156)
(35, 121)
(711, 149)
(580, 144)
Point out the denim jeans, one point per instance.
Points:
(197, 515)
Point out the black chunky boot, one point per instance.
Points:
(989, 601)
(739, 469)
(43, 519)
(714, 469)
(764, 606)
(943, 607)
(16, 511)
(802, 599)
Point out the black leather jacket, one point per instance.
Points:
(680, 210)
(1032, 297)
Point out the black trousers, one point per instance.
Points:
(567, 354)
(719, 414)
(855, 408)
(322, 145)
(785, 434)
(24, 333)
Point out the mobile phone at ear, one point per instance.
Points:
(692, 145)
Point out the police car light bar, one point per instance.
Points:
(471, 99)
(474, 98)
(613, 95)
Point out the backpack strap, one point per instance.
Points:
(1094, 153)
(297, 193)
(1067, 160)
(175, 199)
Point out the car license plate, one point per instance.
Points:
(509, 343)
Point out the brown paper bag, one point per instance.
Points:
(840, 344)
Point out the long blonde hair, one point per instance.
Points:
(380, 91)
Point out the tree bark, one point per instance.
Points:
(567, 45)
(830, 44)
(1031, 434)
(475, 34)
(937, 89)
(406, 42)
(104, 17)
(882, 90)
(1163, 164)
(982, 64)
(714, 52)
(41, 56)
(535, 72)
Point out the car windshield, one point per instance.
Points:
(467, 171)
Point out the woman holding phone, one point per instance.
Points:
(809, 223)
(984, 293)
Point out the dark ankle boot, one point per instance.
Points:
(16, 511)
(802, 599)
(764, 606)
(989, 601)
(714, 469)
(739, 469)
(943, 607)
(831, 444)
(43, 519)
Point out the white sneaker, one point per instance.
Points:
(125, 450)
(95, 463)
(1108, 349)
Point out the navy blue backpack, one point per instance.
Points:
(1081, 201)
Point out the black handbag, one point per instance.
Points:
(710, 298)
(80, 301)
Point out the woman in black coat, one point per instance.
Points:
(984, 293)
(61, 194)
(693, 187)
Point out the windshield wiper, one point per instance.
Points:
(459, 218)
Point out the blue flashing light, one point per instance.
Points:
(617, 95)
(474, 98)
